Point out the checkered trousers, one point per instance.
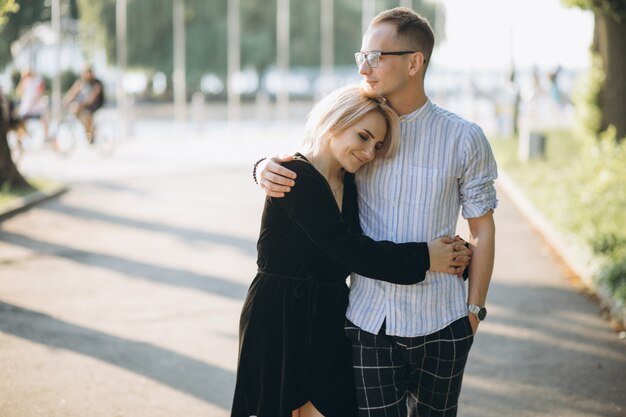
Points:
(410, 376)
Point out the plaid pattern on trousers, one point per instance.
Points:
(410, 376)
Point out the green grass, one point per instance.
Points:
(7, 196)
(580, 186)
(546, 182)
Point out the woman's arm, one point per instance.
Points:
(311, 207)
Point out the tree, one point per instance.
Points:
(11, 27)
(609, 43)
(10, 177)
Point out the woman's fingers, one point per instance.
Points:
(455, 270)
(460, 259)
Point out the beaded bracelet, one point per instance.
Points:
(256, 164)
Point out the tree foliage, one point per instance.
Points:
(24, 17)
(7, 6)
(613, 8)
(609, 44)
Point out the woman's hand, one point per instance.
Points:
(449, 255)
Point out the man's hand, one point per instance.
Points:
(474, 322)
(275, 179)
(448, 255)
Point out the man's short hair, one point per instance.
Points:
(411, 27)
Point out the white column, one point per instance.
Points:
(234, 60)
(56, 80)
(179, 78)
(282, 57)
(121, 43)
(328, 40)
(368, 11)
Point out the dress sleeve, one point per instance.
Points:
(350, 201)
(311, 207)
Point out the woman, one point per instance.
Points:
(294, 359)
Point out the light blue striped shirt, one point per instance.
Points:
(444, 163)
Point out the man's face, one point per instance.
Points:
(391, 73)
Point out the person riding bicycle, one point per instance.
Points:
(84, 98)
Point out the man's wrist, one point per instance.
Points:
(478, 311)
(256, 164)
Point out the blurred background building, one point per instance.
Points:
(491, 55)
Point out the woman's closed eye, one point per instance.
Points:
(364, 136)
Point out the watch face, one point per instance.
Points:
(482, 313)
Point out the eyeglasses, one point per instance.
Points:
(373, 57)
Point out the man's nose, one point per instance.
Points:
(364, 68)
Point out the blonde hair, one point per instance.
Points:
(343, 108)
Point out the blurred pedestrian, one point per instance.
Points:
(294, 357)
(84, 98)
(515, 91)
(555, 89)
(33, 101)
(31, 90)
(410, 343)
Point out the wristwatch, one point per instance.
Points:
(479, 311)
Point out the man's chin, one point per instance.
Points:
(369, 87)
(376, 90)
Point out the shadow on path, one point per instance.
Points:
(206, 382)
(246, 246)
(162, 275)
(543, 351)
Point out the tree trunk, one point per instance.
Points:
(610, 42)
(10, 177)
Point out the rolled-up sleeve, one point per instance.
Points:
(478, 193)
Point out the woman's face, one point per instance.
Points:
(357, 145)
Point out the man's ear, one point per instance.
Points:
(416, 63)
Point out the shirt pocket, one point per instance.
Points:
(428, 188)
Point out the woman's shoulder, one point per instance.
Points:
(308, 177)
(300, 165)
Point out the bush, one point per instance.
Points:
(613, 275)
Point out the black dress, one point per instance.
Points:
(292, 346)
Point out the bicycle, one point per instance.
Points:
(70, 132)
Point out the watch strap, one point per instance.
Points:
(479, 311)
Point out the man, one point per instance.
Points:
(410, 343)
(84, 98)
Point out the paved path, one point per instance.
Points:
(121, 298)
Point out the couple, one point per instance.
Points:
(409, 331)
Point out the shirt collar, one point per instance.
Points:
(419, 111)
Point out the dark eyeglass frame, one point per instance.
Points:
(361, 57)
